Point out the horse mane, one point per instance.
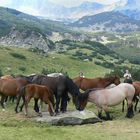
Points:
(87, 92)
(71, 86)
(111, 79)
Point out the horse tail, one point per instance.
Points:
(21, 93)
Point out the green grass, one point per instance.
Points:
(18, 127)
(34, 63)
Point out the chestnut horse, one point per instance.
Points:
(104, 98)
(136, 97)
(37, 92)
(86, 83)
(11, 87)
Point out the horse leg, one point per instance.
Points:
(130, 112)
(123, 103)
(57, 104)
(21, 107)
(2, 102)
(100, 113)
(17, 104)
(50, 108)
(40, 108)
(64, 100)
(136, 100)
(26, 105)
(36, 107)
(108, 117)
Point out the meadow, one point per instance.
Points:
(18, 127)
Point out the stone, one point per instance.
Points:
(70, 118)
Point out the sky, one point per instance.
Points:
(67, 3)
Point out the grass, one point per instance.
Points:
(34, 63)
(18, 127)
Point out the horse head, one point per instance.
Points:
(82, 100)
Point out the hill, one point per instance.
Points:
(19, 29)
(108, 21)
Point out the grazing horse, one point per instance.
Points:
(136, 97)
(11, 87)
(60, 86)
(86, 83)
(37, 92)
(105, 98)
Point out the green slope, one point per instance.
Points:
(30, 62)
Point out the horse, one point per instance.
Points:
(86, 83)
(105, 98)
(60, 86)
(136, 97)
(11, 87)
(37, 92)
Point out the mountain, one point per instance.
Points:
(49, 10)
(131, 9)
(20, 29)
(108, 21)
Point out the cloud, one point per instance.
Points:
(5, 2)
(29, 9)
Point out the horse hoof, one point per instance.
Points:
(40, 114)
(3, 109)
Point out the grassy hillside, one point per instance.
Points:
(22, 61)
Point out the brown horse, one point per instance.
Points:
(105, 98)
(136, 97)
(11, 87)
(86, 83)
(37, 92)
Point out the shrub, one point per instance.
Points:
(22, 69)
(17, 55)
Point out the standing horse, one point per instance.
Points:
(37, 92)
(136, 97)
(86, 83)
(11, 87)
(105, 98)
(60, 86)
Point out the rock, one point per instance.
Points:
(70, 118)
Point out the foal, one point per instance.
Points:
(37, 92)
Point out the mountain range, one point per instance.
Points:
(52, 11)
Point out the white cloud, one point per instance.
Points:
(5, 2)
(70, 3)
(29, 9)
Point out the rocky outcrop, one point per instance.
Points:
(70, 118)
(29, 39)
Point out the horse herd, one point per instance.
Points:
(54, 90)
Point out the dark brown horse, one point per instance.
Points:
(136, 97)
(11, 87)
(60, 86)
(86, 83)
(37, 92)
